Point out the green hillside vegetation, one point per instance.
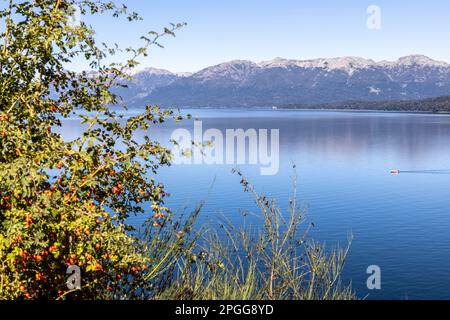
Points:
(434, 105)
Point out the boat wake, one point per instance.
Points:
(439, 171)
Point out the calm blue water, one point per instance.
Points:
(400, 223)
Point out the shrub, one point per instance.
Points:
(63, 202)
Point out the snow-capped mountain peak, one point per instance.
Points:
(421, 60)
(351, 64)
(330, 63)
(281, 81)
(235, 70)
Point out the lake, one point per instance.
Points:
(399, 222)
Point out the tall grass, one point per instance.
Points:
(276, 260)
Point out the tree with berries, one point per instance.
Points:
(66, 203)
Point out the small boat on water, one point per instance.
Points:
(395, 171)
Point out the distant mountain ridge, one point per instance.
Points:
(242, 83)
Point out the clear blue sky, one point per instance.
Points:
(219, 31)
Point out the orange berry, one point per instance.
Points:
(28, 220)
(48, 193)
(89, 206)
(116, 190)
(97, 267)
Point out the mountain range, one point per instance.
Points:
(242, 83)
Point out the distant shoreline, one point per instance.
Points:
(285, 108)
(437, 105)
(362, 110)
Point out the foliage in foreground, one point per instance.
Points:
(276, 260)
(66, 203)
